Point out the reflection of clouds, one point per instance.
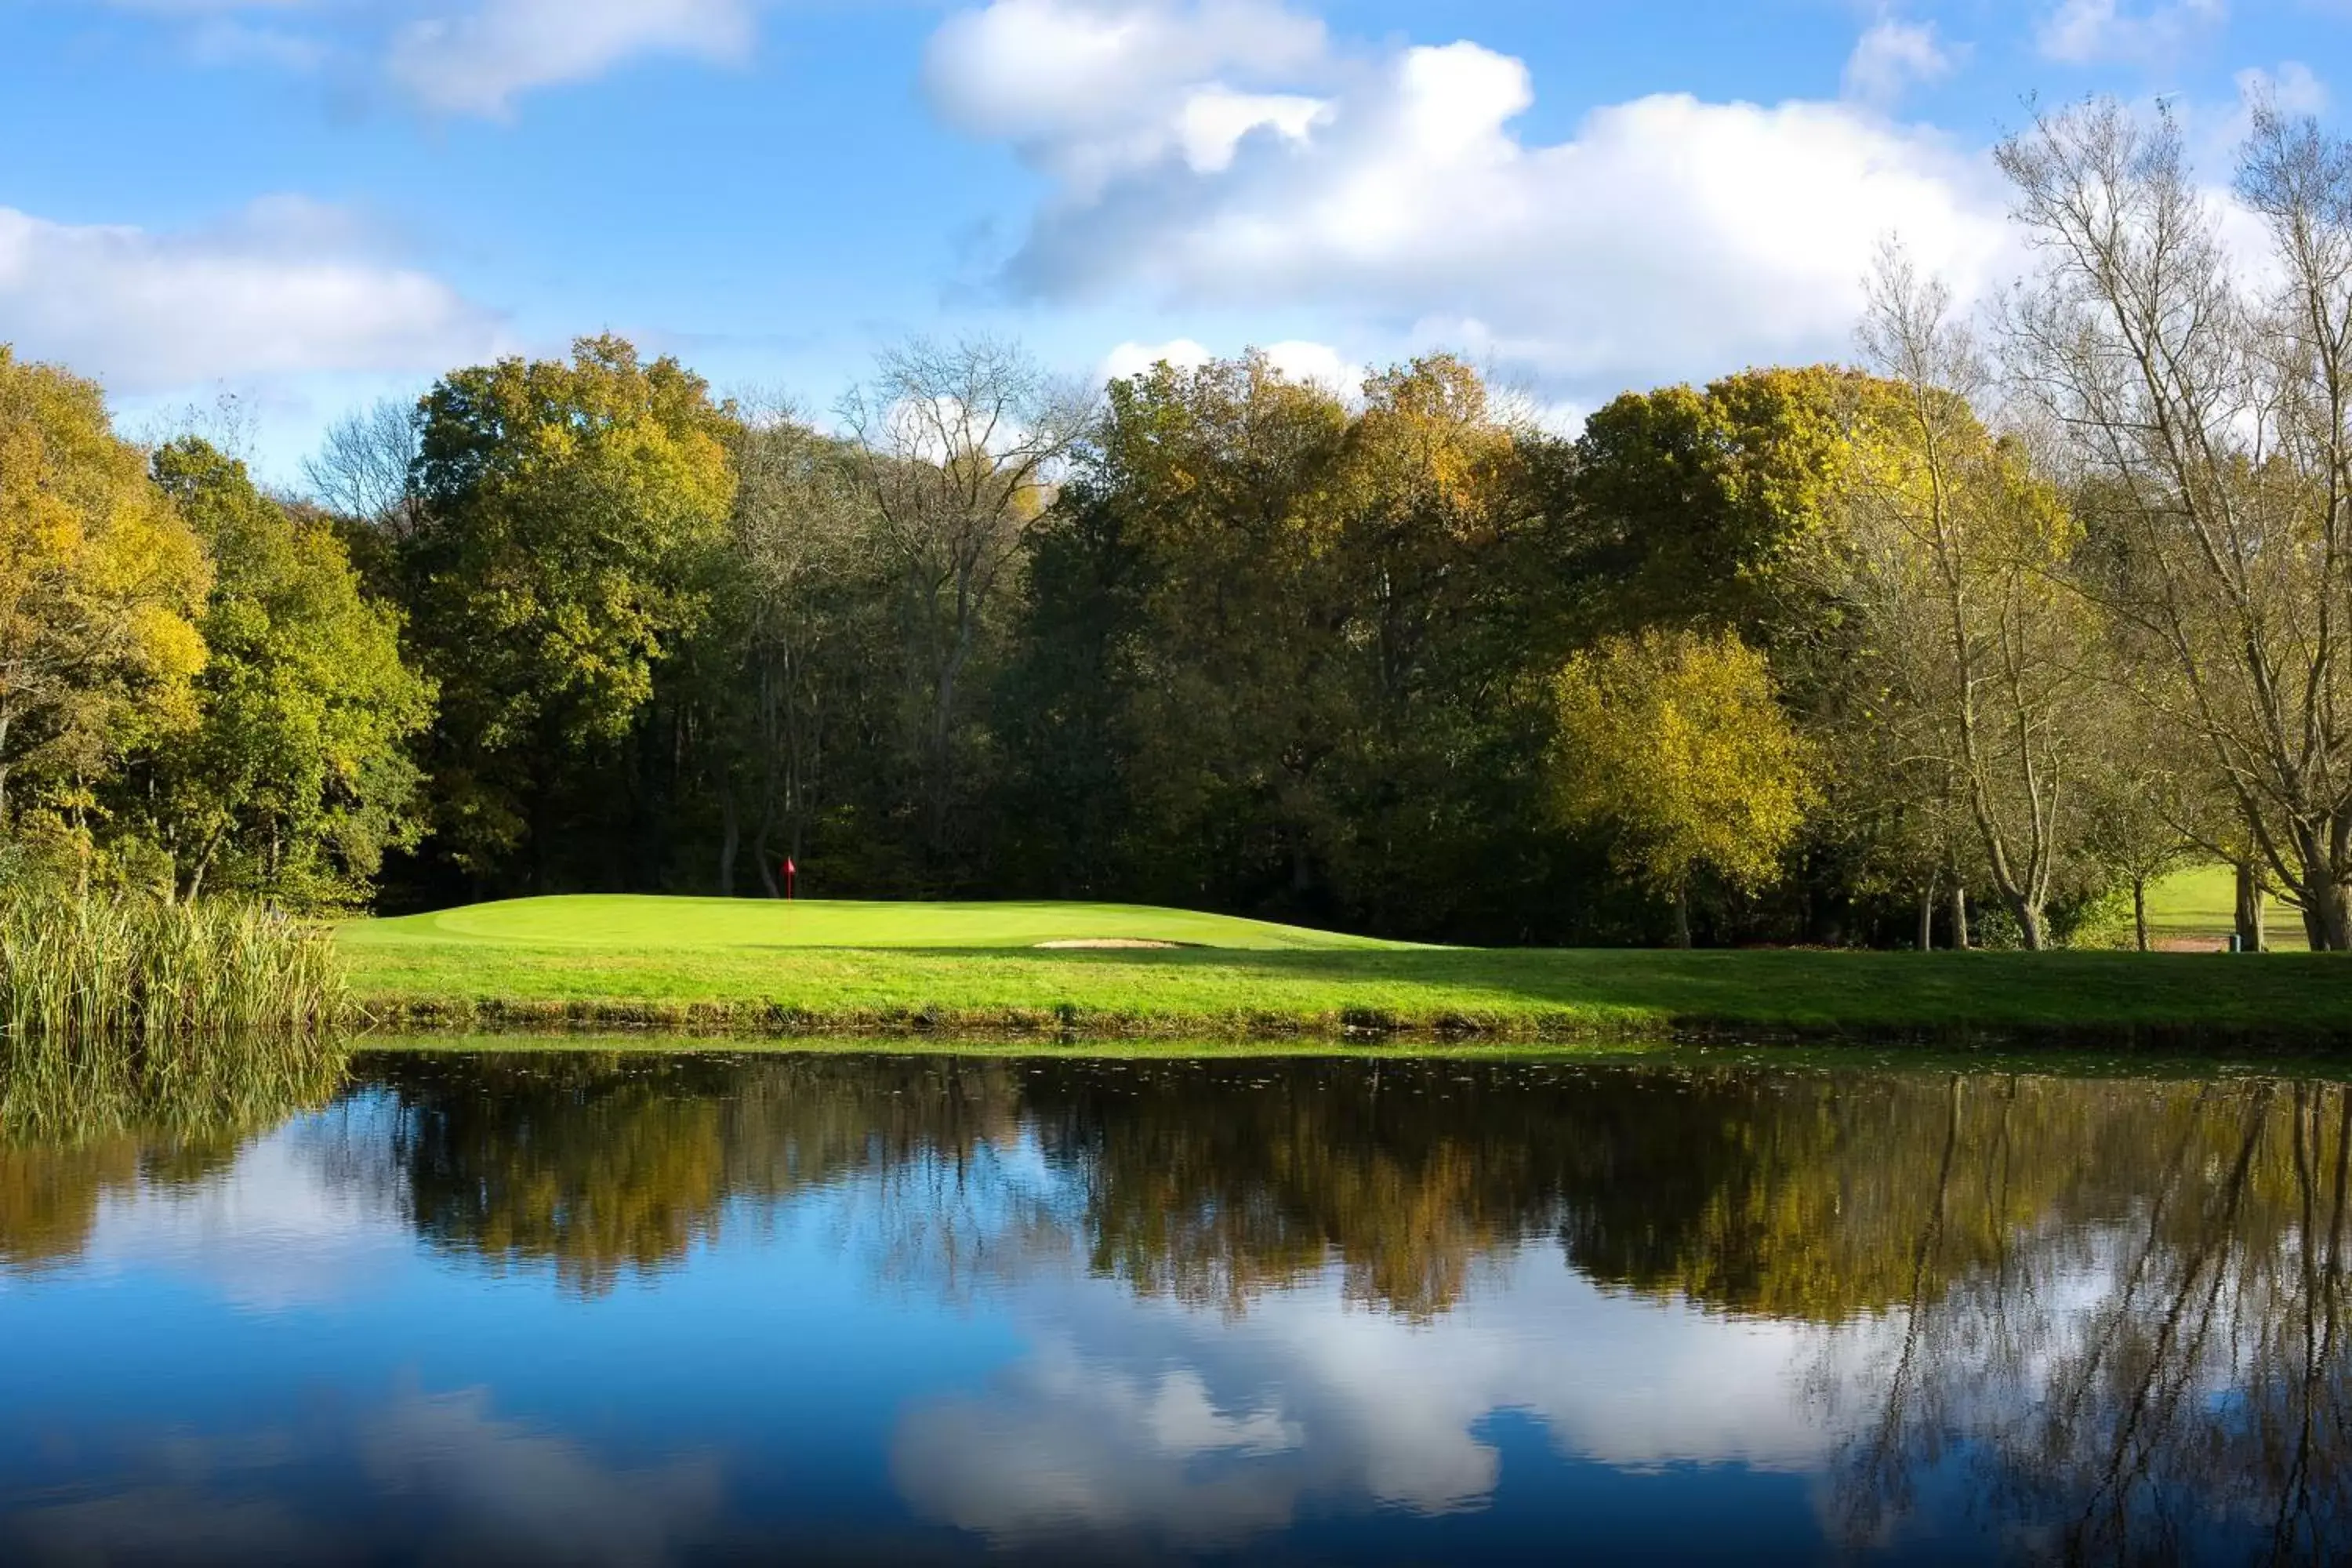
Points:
(277, 1228)
(1075, 1446)
(1143, 1415)
(457, 1483)
(508, 1489)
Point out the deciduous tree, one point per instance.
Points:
(1675, 743)
(101, 583)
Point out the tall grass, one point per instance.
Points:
(136, 972)
(131, 1010)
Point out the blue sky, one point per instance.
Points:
(309, 203)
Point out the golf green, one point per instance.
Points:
(621, 923)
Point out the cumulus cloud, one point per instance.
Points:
(1894, 56)
(2088, 32)
(1094, 88)
(287, 286)
(478, 63)
(1668, 237)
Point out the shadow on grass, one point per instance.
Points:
(2307, 992)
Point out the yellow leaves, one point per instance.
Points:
(1676, 742)
(100, 580)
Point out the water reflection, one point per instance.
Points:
(1369, 1310)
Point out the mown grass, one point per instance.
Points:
(2202, 902)
(673, 975)
(622, 923)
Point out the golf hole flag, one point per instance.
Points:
(791, 871)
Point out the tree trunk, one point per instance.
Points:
(2033, 926)
(1927, 917)
(2139, 913)
(2250, 935)
(1959, 920)
(2327, 917)
(1682, 918)
(731, 843)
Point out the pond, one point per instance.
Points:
(627, 1307)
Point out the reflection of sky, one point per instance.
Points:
(267, 1362)
(1129, 1415)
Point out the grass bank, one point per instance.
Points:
(706, 966)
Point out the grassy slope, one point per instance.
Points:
(620, 923)
(2203, 901)
(698, 963)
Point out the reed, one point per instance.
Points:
(93, 973)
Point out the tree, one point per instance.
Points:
(296, 777)
(1692, 502)
(1676, 743)
(566, 509)
(2216, 422)
(1946, 558)
(776, 666)
(961, 447)
(101, 581)
(365, 468)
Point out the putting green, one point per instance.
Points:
(620, 923)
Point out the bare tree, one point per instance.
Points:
(363, 467)
(961, 447)
(2214, 424)
(1946, 555)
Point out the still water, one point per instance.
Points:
(627, 1308)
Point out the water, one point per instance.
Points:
(635, 1309)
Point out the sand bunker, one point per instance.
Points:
(1108, 941)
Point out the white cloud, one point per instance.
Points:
(1892, 57)
(1668, 237)
(478, 63)
(2293, 87)
(1023, 68)
(1134, 359)
(288, 287)
(1091, 89)
(2088, 32)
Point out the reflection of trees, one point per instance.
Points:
(1214, 1181)
(1812, 1196)
(49, 1196)
(2111, 1310)
(73, 1131)
(2161, 1363)
(615, 1162)
(1206, 1182)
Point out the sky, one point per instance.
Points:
(296, 206)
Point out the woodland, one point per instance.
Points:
(1965, 642)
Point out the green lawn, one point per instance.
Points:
(2201, 902)
(611, 922)
(696, 963)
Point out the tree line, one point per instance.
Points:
(1972, 640)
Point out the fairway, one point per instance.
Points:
(2200, 904)
(984, 969)
(629, 924)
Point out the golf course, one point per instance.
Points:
(1108, 971)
